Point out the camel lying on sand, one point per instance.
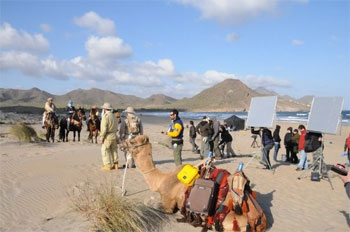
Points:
(171, 190)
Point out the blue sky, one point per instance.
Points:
(178, 48)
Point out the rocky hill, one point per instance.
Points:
(226, 96)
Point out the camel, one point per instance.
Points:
(171, 190)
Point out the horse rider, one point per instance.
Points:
(93, 115)
(70, 111)
(49, 108)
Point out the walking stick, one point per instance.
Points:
(128, 157)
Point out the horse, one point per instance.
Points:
(94, 126)
(51, 124)
(76, 124)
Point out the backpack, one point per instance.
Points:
(132, 122)
(311, 142)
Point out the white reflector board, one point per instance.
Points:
(325, 115)
(262, 112)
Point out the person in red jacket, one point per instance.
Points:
(303, 159)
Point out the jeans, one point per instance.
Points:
(193, 143)
(205, 147)
(266, 154)
(277, 147)
(303, 161)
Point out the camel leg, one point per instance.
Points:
(78, 136)
(168, 204)
(67, 135)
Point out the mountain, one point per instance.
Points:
(265, 91)
(231, 95)
(306, 99)
(32, 97)
(228, 95)
(159, 99)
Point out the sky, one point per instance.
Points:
(176, 47)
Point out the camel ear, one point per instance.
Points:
(145, 139)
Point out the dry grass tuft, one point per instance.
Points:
(109, 211)
(24, 133)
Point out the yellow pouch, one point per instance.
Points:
(188, 174)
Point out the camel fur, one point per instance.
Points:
(171, 190)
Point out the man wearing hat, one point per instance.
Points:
(109, 128)
(49, 108)
(130, 127)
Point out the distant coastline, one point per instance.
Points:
(295, 116)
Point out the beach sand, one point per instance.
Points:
(35, 179)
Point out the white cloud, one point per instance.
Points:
(211, 77)
(232, 37)
(94, 22)
(297, 42)
(229, 11)
(264, 81)
(164, 67)
(107, 48)
(45, 27)
(21, 40)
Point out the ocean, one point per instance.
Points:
(297, 117)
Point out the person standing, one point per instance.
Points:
(347, 148)
(109, 128)
(267, 142)
(277, 140)
(203, 128)
(130, 127)
(226, 140)
(193, 135)
(288, 144)
(215, 138)
(316, 144)
(303, 164)
(294, 146)
(176, 133)
(49, 108)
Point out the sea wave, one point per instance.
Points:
(297, 117)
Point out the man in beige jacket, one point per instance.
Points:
(49, 108)
(109, 128)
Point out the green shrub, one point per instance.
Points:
(108, 211)
(24, 133)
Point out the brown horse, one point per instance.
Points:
(51, 124)
(94, 126)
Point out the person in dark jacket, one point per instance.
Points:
(288, 144)
(215, 138)
(277, 140)
(226, 140)
(267, 142)
(316, 144)
(193, 135)
(203, 128)
(294, 146)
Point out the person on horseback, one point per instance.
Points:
(70, 111)
(49, 108)
(93, 115)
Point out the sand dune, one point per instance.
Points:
(35, 178)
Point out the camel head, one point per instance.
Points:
(135, 145)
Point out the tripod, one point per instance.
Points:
(261, 161)
(322, 169)
(254, 143)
